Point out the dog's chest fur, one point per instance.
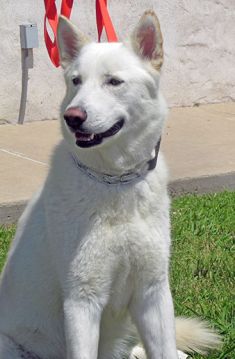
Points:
(107, 237)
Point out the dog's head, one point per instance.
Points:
(112, 114)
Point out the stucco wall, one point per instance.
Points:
(199, 40)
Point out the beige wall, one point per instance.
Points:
(199, 51)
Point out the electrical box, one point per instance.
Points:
(28, 36)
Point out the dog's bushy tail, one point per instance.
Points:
(194, 335)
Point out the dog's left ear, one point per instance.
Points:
(147, 41)
(70, 41)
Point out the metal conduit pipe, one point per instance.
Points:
(28, 41)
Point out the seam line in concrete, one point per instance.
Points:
(21, 155)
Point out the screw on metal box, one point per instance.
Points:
(28, 41)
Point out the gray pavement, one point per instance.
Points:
(198, 142)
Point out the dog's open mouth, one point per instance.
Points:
(84, 139)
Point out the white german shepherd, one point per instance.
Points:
(88, 268)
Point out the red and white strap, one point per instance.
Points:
(103, 20)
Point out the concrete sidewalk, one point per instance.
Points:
(199, 144)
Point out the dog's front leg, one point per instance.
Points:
(82, 322)
(152, 311)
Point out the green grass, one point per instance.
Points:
(202, 266)
(6, 234)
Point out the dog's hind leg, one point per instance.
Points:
(118, 335)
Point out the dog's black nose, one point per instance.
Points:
(74, 117)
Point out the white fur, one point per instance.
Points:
(88, 257)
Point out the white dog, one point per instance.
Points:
(88, 268)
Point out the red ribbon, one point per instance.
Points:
(102, 20)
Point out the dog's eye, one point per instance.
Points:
(114, 81)
(77, 80)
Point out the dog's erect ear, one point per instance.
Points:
(70, 41)
(147, 41)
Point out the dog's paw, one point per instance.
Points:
(138, 352)
(182, 355)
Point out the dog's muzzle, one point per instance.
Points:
(75, 118)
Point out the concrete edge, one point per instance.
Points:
(203, 184)
(10, 212)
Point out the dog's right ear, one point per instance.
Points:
(146, 39)
(70, 41)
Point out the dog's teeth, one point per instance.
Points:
(92, 136)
